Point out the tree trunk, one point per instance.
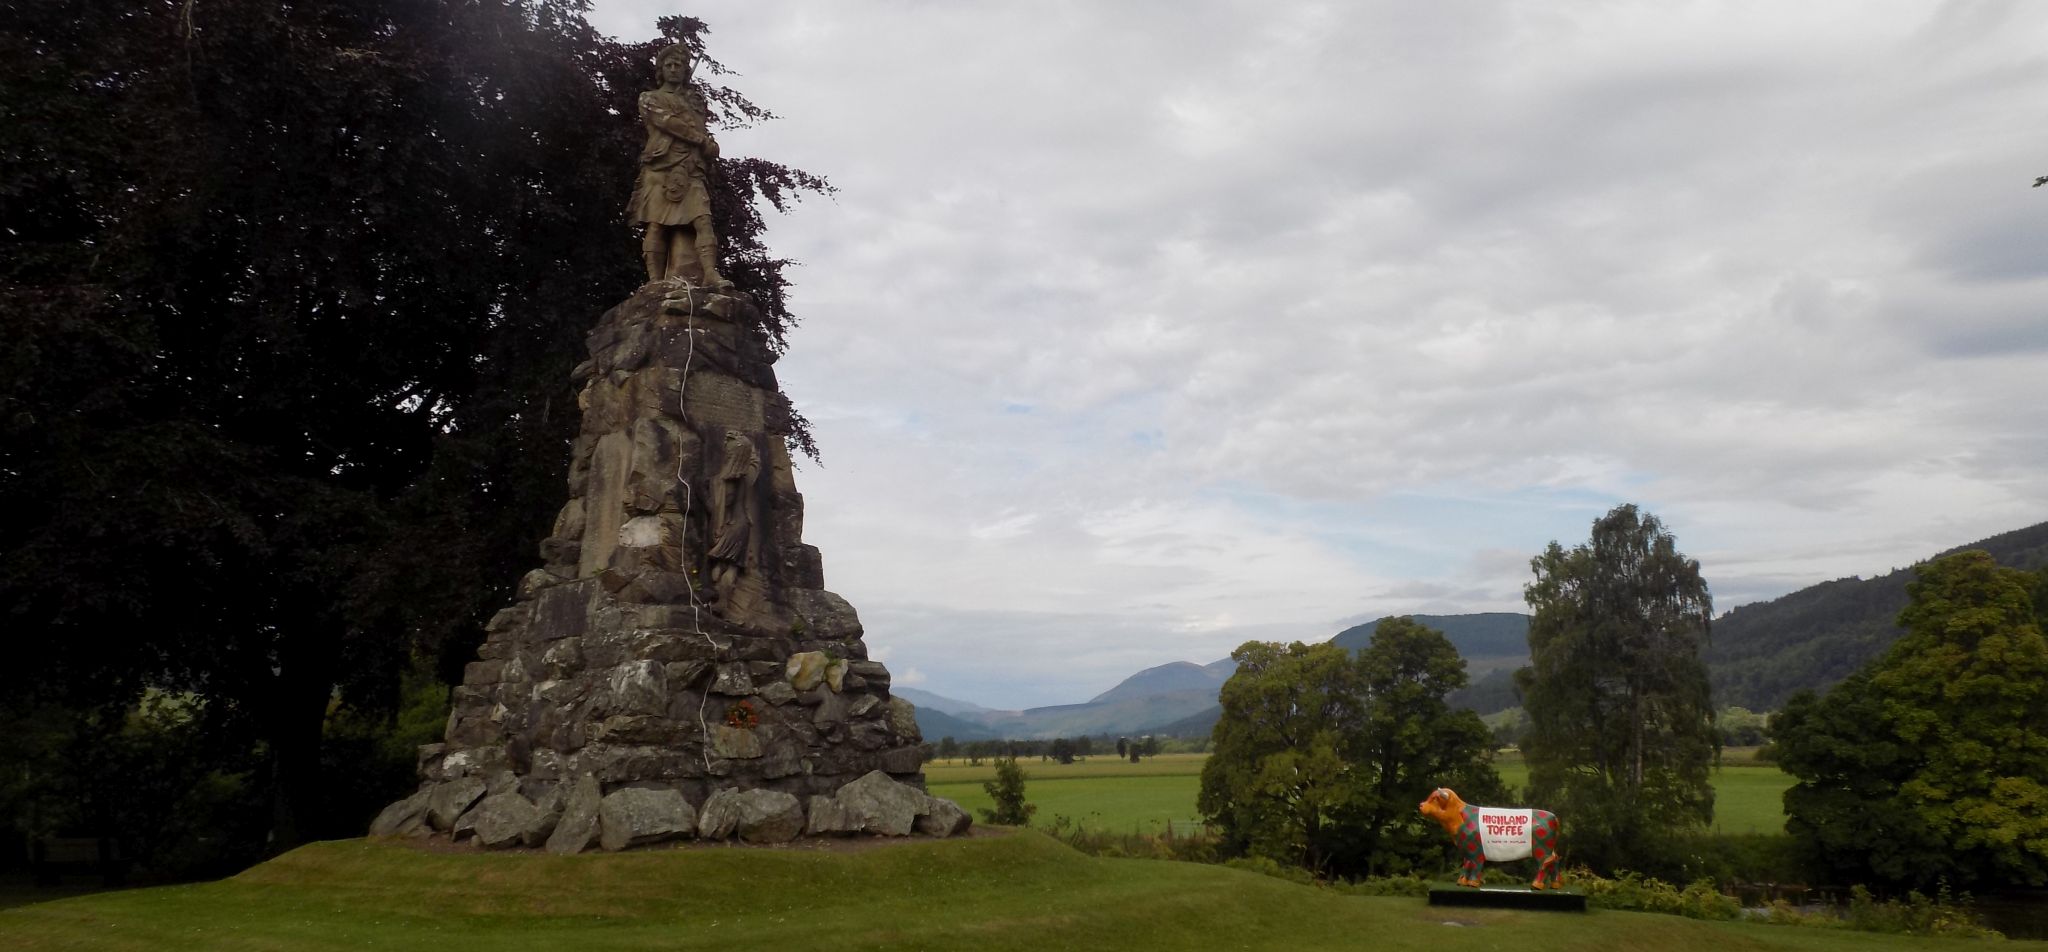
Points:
(297, 712)
(1635, 727)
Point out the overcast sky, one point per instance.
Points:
(1140, 329)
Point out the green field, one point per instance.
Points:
(1109, 793)
(994, 892)
(1750, 799)
(1104, 793)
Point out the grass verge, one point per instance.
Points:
(1021, 891)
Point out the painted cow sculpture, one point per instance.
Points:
(1496, 834)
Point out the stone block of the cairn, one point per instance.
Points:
(678, 636)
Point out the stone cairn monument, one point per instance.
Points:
(675, 668)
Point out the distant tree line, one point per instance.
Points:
(1063, 750)
(1067, 749)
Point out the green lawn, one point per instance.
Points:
(1113, 794)
(1012, 892)
(19, 891)
(1104, 793)
(1750, 799)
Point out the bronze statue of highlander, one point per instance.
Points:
(672, 199)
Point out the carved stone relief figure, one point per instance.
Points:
(734, 512)
(672, 200)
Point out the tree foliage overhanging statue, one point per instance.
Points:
(1621, 735)
(293, 294)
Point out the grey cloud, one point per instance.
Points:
(1030, 659)
(2013, 246)
(1763, 268)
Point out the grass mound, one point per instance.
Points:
(1022, 891)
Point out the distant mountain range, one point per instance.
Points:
(1139, 705)
(1179, 698)
(934, 724)
(1758, 655)
(1171, 679)
(936, 702)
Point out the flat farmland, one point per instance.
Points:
(1109, 793)
(1104, 793)
(1750, 798)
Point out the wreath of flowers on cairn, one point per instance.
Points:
(743, 715)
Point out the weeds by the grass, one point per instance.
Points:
(1637, 893)
(1413, 886)
(1943, 915)
(1196, 846)
(1266, 867)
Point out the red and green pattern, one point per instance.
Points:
(1542, 844)
(1448, 810)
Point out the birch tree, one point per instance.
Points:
(1621, 734)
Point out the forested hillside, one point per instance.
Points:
(934, 724)
(1493, 645)
(1490, 694)
(1762, 653)
(1486, 640)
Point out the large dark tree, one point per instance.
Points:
(1320, 757)
(1931, 765)
(291, 293)
(1621, 734)
(1279, 769)
(1413, 742)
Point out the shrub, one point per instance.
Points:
(1411, 885)
(1637, 893)
(1267, 867)
(1007, 790)
(1732, 857)
(1943, 915)
(1200, 847)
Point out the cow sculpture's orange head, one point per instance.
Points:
(1444, 806)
